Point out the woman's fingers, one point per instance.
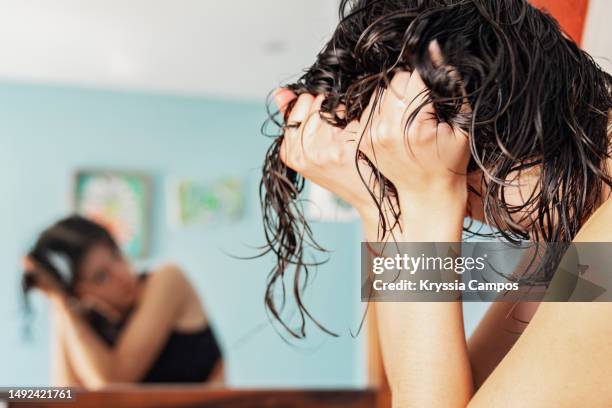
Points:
(435, 53)
(437, 58)
(416, 100)
(383, 126)
(419, 122)
(390, 122)
(29, 265)
(366, 130)
(43, 278)
(352, 131)
(402, 131)
(282, 98)
(341, 111)
(313, 118)
(300, 110)
(397, 91)
(308, 136)
(367, 115)
(455, 150)
(314, 133)
(429, 137)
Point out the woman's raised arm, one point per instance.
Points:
(139, 343)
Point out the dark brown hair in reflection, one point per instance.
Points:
(120, 325)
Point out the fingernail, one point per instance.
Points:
(282, 96)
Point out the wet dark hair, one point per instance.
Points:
(537, 101)
(61, 248)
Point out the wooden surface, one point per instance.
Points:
(199, 396)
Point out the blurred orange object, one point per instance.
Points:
(570, 14)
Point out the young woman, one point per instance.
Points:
(419, 113)
(112, 325)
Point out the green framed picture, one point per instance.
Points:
(199, 202)
(120, 201)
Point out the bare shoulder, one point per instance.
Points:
(168, 278)
(176, 285)
(170, 272)
(598, 228)
(561, 358)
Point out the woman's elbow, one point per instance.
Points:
(117, 374)
(96, 383)
(217, 376)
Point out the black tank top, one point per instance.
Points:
(186, 356)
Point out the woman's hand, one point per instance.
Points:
(325, 154)
(45, 281)
(51, 288)
(90, 302)
(425, 160)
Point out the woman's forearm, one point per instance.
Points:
(425, 354)
(423, 343)
(90, 357)
(62, 372)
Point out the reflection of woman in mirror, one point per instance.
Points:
(112, 325)
(420, 113)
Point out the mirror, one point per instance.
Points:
(131, 149)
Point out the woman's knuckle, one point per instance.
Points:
(420, 134)
(381, 134)
(336, 155)
(297, 162)
(318, 159)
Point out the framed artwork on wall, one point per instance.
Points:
(121, 202)
(205, 202)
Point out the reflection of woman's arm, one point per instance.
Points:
(217, 376)
(62, 372)
(139, 343)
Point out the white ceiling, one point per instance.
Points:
(236, 49)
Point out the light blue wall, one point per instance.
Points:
(46, 133)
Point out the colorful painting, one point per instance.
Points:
(120, 201)
(194, 202)
(323, 205)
